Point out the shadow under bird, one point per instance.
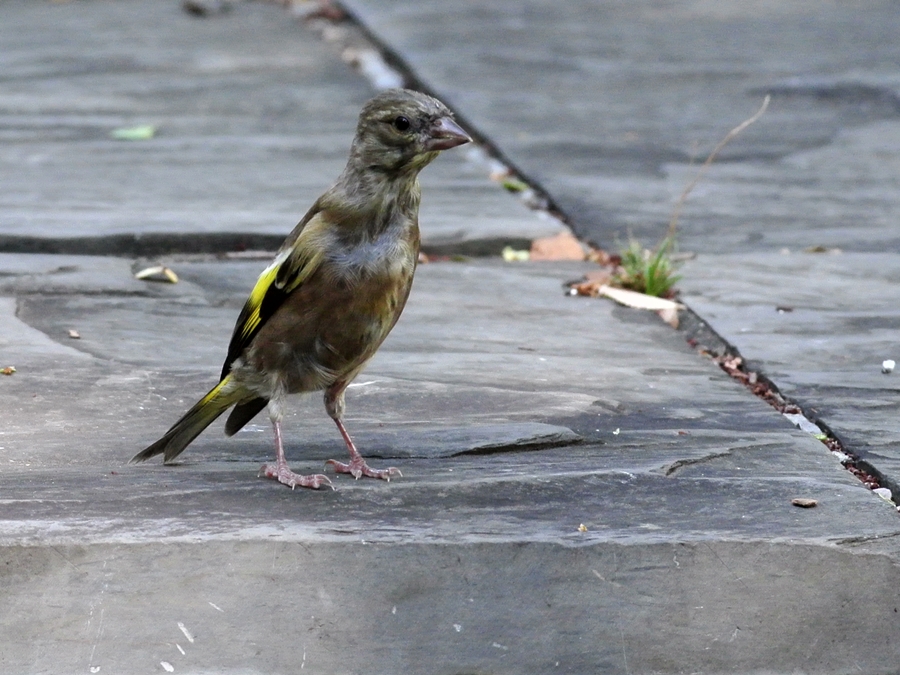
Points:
(335, 289)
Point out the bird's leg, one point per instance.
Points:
(356, 467)
(280, 471)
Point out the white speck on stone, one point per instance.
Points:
(95, 669)
(842, 458)
(888, 365)
(805, 425)
(394, 609)
(216, 607)
(497, 645)
(457, 627)
(180, 648)
(187, 633)
(168, 667)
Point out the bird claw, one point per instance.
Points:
(287, 477)
(358, 468)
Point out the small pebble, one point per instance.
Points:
(887, 366)
(804, 503)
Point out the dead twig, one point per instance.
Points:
(709, 160)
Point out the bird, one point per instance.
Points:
(335, 289)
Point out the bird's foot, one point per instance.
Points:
(358, 468)
(283, 474)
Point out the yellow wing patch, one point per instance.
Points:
(293, 265)
(254, 302)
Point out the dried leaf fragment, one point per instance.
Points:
(514, 255)
(563, 246)
(638, 300)
(804, 502)
(157, 273)
(513, 184)
(670, 316)
(143, 132)
(8, 370)
(582, 528)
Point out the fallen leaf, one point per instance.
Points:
(582, 528)
(140, 133)
(563, 246)
(513, 255)
(670, 316)
(74, 334)
(157, 273)
(638, 300)
(8, 370)
(804, 503)
(513, 184)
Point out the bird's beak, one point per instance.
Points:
(446, 134)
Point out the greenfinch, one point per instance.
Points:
(335, 289)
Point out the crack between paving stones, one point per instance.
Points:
(705, 340)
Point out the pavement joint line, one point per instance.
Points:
(706, 341)
(536, 198)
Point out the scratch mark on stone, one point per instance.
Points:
(216, 607)
(604, 579)
(96, 639)
(677, 465)
(740, 580)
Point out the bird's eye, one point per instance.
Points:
(401, 123)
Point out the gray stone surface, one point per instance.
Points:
(672, 467)
(254, 117)
(605, 105)
(820, 325)
(516, 414)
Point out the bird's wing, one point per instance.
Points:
(300, 256)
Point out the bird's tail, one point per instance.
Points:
(205, 411)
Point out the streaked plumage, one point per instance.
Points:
(336, 288)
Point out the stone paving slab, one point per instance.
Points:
(682, 481)
(605, 105)
(254, 117)
(826, 344)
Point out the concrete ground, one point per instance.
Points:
(582, 491)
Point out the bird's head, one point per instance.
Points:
(401, 131)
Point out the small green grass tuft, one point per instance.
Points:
(650, 272)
